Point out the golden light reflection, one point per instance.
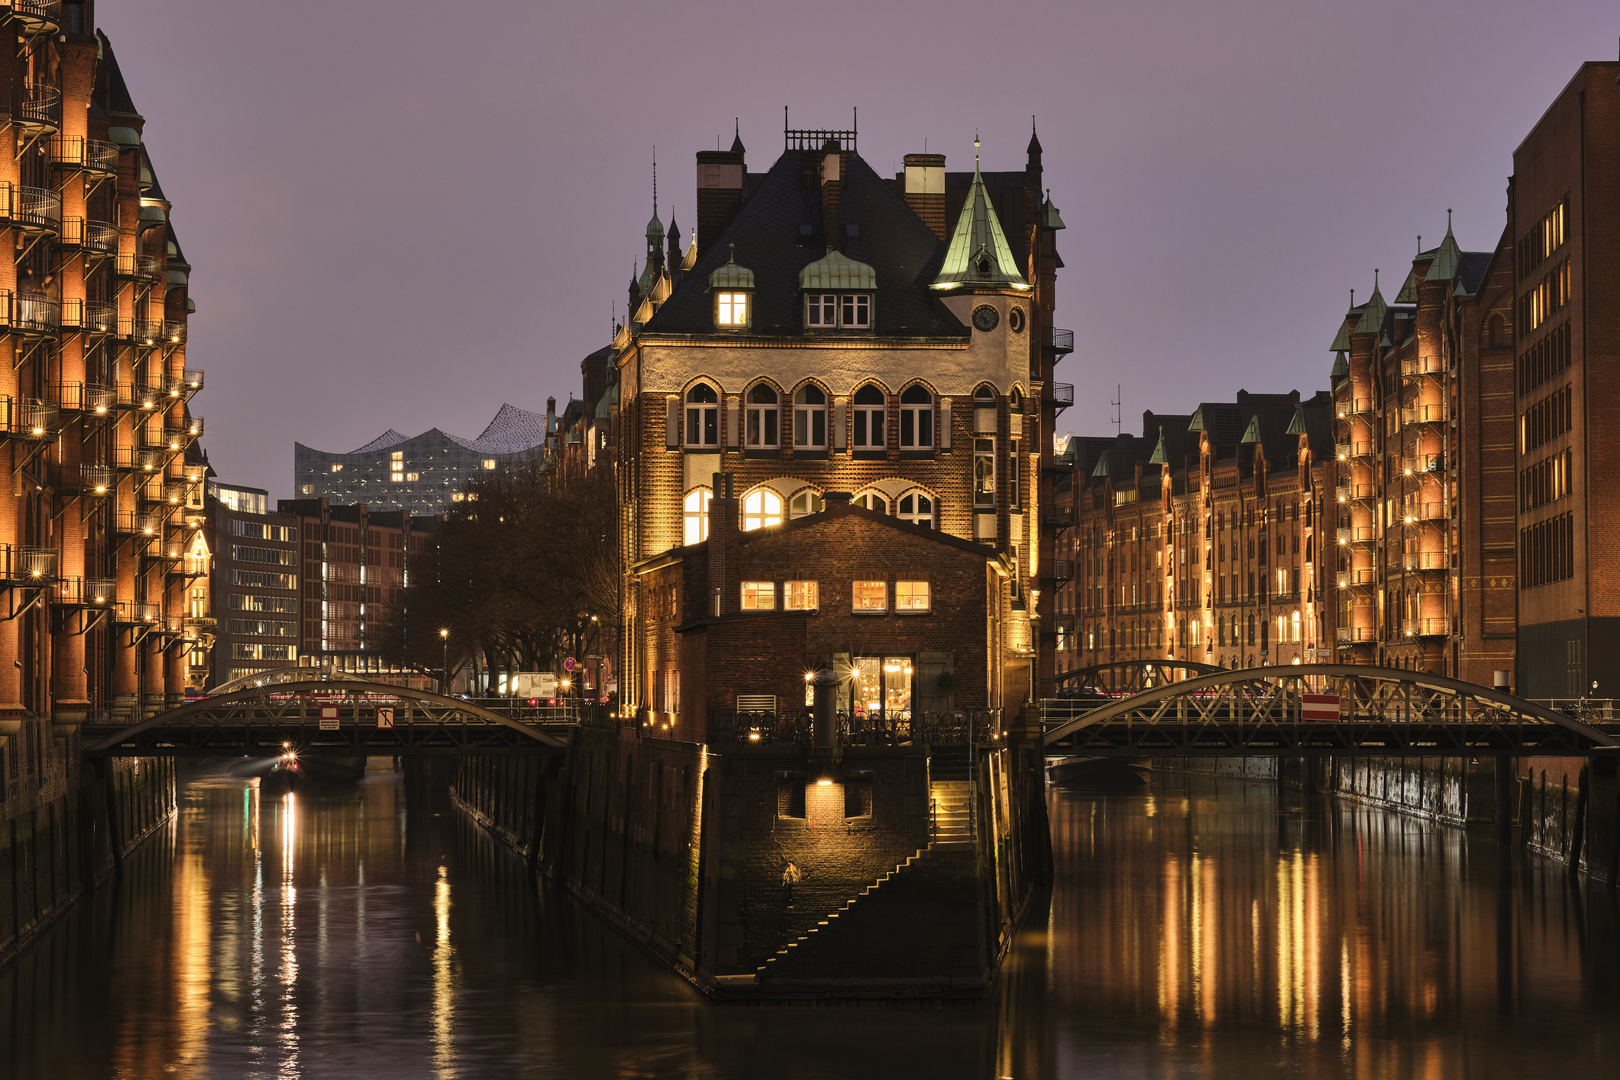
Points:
(193, 952)
(289, 944)
(444, 989)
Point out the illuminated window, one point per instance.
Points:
(805, 503)
(800, 596)
(916, 419)
(763, 413)
(821, 310)
(413, 477)
(917, 508)
(868, 419)
(337, 466)
(761, 507)
(911, 596)
(871, 500)
(702, 416)
(870, 596)
(307, 489)
(984, 472)
(458, 497)
(489, 463)
(731, 309)
(397, 455)
(810, 418)
(759, 596)
(696, 515)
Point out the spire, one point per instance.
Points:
(655, 228)
(1447, 256)
(736, 138)
(1372, 320)
(978, 253)
(1034, 140)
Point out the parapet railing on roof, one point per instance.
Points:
(818, 138)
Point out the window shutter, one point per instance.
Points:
(944, 423)
(733, 420)
(672, 424)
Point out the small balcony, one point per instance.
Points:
(29, 314)
(1423, 511)
(25, 565)
(97, 481)
(144, 332)
(39, 109)
(129, 523)
(85, 398)
(97, 318)
(1354, 635)
(1357, 534)
(1417, 561)
(132, 460)
(136, 268)
(75, 152)
(28, 419)
(93, 237)
(1060, 394)
(138, 614)
(194, 379)
(194, 427)
(139, 396)
(1361, 575)
(155, 437)
(1061, 342)
(84, 592)
(1414, 366)
(30, 209)
(1416, 628)
(174, 332)
(37, 16)
(193, 566)
(157, 493)
(1342, 451)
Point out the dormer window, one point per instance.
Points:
(731, 310)
(732, 287)
(838, 293)
(831, 311)
(855, 311)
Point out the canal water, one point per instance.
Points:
(1197, 927)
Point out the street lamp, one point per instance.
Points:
(444, 636)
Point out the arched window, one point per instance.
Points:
(761, 507)
(810, 418)
(916, 418)
(870, 433)
(702, 416)
(763, 411)
(872, 500)
(984, 393)
(1016, 400)
(695, 514)
(805, 503)
(917, 508)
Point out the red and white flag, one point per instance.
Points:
(1319, 707)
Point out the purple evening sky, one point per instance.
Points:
(403, 214)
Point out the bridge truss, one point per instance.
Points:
(1129, 677)
(334, 717)
(1257, 711)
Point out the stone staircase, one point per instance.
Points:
(950, 797)
(785, 956)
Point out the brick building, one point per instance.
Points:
(254, 583)
(833, 331)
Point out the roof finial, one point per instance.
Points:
(1420, 243)
(1448, 219)
(655, 181)
(1375, 279)
(975, 149)
(1352, 298)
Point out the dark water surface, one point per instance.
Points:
(1197, 928)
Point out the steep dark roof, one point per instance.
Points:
(118, 99)
(888, 236)
(1471, 269)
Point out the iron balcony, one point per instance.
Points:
(133, 459)
(37, 16)
(31, 209)
(39, 109)
(141, 331)
(96, 317)
(96, 480)
(129, 523)
(137, 267)
(30, 314)
(85, 398)
(92, 236)
(1061, 342)
(88, 155)
(26, 418)
(1060, 394)
(83, 592)
(27, 565)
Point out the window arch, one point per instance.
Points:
(916, 507)
(695, 515)
(916, 418)
(702, 416)
(761, 507)
(1016, 399)
(805, 503)
(870, 431)
(872, 500)
(763, 414)
(810, 418)
(984, 392)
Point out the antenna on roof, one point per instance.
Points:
(655, 181)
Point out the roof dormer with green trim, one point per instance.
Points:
(978, 255)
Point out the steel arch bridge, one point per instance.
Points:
(334, 717)
(1129, 676)
(1257, 711)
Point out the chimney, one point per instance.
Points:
(832, 189)
(720, 176)
(723, 599)
(925, 190)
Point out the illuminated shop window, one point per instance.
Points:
(761, 507)
(759, 596)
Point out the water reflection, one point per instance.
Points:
(1194, 929)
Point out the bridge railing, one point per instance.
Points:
(795, 727)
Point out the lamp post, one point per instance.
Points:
(444, 683)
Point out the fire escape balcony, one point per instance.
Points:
(95, 317)
(1060, 394)
(1357, 577)
(85, 398)
(30, 315)
(138, 614)
(1060, 343)
(130, 523)
(1354, 635)
(139, 396)
(1416, 628)
(93, 237)
(84, 592)
(157, 493)
(39, 110)
(94, 480)
(174, 332)
(1418, 561)
(1341, 451)
(132, 460)
(25, 565)
(193, 378)
(193, 566)
(1414, 366)
(31, 209)
(158, 438)
(1423, 511)
(75, 152)
(1357, 534)
(36, 16)
(137, 268)
(144, 332)
(28, 419)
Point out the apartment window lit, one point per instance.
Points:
(761, 507)
(702, 416)
(337, 466)
(458, 496)
(916, 508)
(731, 309)
(821, 310)
(695, 515)
(868, 419)
(806, 503)
(307, 489)
(762, 415)
(911, 596)
(916, 419)
(810, 418)
(800, 596)
(411, 477)
(759, 596)
(489, 463)
(984, 472)
(870, 596)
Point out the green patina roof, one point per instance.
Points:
(1251, 434)
(835, 270)
(1053, 220)
(732, 276)
(191, 305)
(978, 253)
(1341, 366)
(1446, 258)
(1159, 456)
(1296, 426)
(1341, 340)
(1372, 316)
(153, 214)
(1408, 293)
(1197, 421)
(1102, 465)
(177, 277)
(124, 136)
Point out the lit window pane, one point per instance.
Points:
(759, 596)
(800, 596)
(761, 507)
(911, 596)
(871, 596)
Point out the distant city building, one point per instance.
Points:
(254, 583)
(421, 475)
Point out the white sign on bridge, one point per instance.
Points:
(329, 717)
(385, 716)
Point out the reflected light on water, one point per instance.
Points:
(444, 985)
(289, 1040)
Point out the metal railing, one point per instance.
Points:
(130, 523)
(174, 331)
(85, 397)
(134, 459)
(1424, 560)
(139, 614)
(26, 418)
(89, 316)
(23, 563)
(193, 379)
(96, 236)
(30, 314)
(83, 592)
(78, 152)
(141, 267)
(1361, 575)
(139, 396)
(83, 479)
(37, 16)
(1060, 394)
(1061, 340)
(1351, 635)
(141, 331)
(795, 727)
(39, 105)
(30, 207)
(1356, 534)
(1425, 627)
